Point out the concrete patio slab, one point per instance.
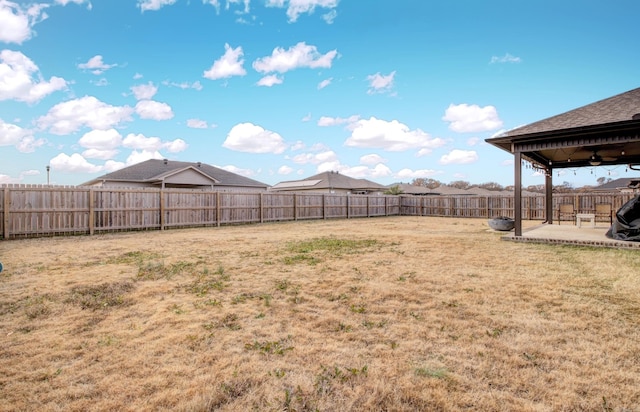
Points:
(570, 235)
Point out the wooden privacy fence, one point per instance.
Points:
(34, 211)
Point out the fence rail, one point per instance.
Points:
(36, 211)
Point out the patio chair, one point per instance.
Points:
(604, 210)
(566, 209)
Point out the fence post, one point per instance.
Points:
(92, 217)
(295, 207)
(348, 206)
(162, 219)
(367, 206)
(261, 209)
(486, 206)
(7, 205)
(324, 207)
(218, 211)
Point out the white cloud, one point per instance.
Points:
(20, 79)
(247, 137)
(315, 158)
(152, 144)
(154, 4)
(197, 124)
(230, 64)
(459, 157)
(140, 156)
(22, 139)
(330, 17)
(326, 121)
(8, 179)
(424, 152)
(415, 174)
(244, 2)
(96, 65)
(391, 136)
(184, 85)
(307, 117)
(299, 56)
(150, 109)
(176, 146)
(379, 83)
(270, 80)
(100, 83)
(17, 21)
(214, 3)
(238, 171)
(75, 163)
(465, 118)
(297, 7)
(137, 76)
(101, 139)
(372, 159)
(358, 172)
(68, 117)
(144, 91)
(325, 83)
(285, 170)
(507, 58)
(112, 165)
(507, 162)
(65, 2)
(99, 154)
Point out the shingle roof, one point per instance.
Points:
(621, 183)
(412, 189)
(330, 180)
(154, 169)
(621, 107)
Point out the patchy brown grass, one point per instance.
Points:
(397, 314)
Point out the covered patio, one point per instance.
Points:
(604, 133)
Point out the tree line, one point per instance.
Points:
(565, 187)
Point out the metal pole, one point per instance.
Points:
(48, 169)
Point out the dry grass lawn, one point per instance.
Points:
(384, 314)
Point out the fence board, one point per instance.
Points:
(38, 210)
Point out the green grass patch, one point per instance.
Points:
(267, 348)
(104, 296)
(158, 270)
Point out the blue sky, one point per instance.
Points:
(281, 90)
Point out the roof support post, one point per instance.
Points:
(517, 192)
(548, 196)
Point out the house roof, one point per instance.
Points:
(154, 170)
(621, 183)
(329, 180)
(412, 189)
(606, 132)
(450, 191)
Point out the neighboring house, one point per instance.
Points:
(451, 191)
(331, 182)
(409, 189)
(173, 174)
(624, 185)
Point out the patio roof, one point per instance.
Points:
(606, 132)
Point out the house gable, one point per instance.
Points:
(188, 176)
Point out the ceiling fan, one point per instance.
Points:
(596, 160)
